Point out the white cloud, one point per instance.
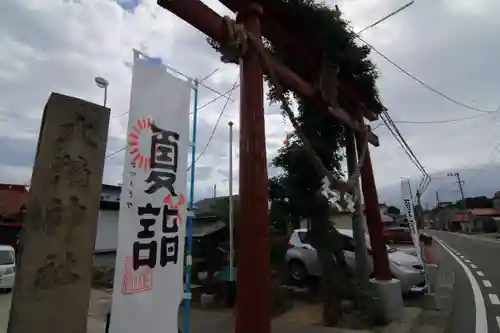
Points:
(56, 45)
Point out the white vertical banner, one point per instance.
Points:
(148, 282)
(409, 210)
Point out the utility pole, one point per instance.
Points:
(215, 191)
(437, 199)
(231, 207)
(460, 182)
(358, 228)
(54, 272)
(419, 212)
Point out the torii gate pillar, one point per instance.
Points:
(388, 289)
(253, 299)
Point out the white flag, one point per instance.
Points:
(409, 210)
(148, 282)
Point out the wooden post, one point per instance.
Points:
(253, 312)
(358, 219)
(53, 280)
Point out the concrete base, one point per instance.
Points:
(391, 298)
(432, 274)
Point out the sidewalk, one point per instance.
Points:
(429, 315)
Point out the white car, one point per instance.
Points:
(7, 267)
(302, 261)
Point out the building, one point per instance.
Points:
(206, 206)
(343, 220)
(496, 200)
(444, 216)
(474, 220)
(13, 200)
(107, 222)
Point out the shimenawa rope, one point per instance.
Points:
(235, 47)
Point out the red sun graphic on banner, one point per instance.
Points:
(140, 143)
(175, 202)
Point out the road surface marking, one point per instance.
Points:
(462, 257)
(473, 266)
(487, 283)
(467, 261)
(498, 322)
(481, 322)
(480, 273)
(494, 299)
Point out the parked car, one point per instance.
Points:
(7, 267)
(401, 235)
(397, 235)
(302, 261)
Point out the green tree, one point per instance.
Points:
(477, 202)
(220, 209)
(284, 213)
(295, 193)
(300, 180)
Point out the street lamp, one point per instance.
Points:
(103, 83)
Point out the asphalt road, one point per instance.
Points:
(476, 264)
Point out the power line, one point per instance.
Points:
(407, 149)
(217, 98)
(450, 134)
(115, 152)
(434, 90)
(228, 98)
(209, 75)
(200, 82)
(396, 129)
(426, 181)
(401, 142)
(444, 121)
(386, 17)
(494, 154)
(430, 122)
(216, 123)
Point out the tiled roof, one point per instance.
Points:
(485, 212)
(463, 216)
(13, 198)
(460, 217)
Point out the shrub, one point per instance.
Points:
(489, 225)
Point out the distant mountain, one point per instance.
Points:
(477, 182)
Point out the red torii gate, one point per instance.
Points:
(253, 313)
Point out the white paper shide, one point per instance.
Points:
(148, 283)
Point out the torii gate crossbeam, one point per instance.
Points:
(253, 312)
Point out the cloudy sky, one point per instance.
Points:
(61, 45)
